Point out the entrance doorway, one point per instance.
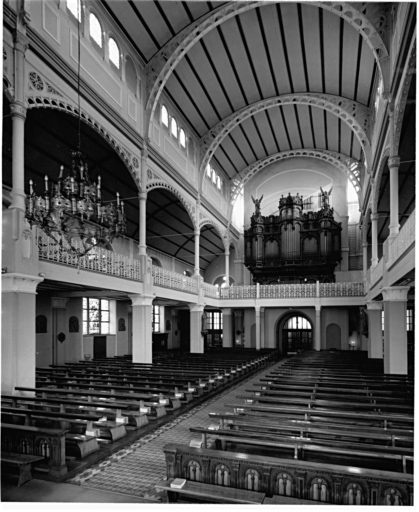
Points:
(297, 335)
(99, 347)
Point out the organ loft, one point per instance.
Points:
(295, 246)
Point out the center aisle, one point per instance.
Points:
(135, 469)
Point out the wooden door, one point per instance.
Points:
(184, 327)
(99, 347)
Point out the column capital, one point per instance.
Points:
(18, 109)
(262, 311)
(19, 283)
(374, 305)
(365, 244)
(196, 308)
(257, 309)
(59, 302)
(395, 293)
(393, 161)
(142, 194)
(318, 308)
(226, 311)
(21, 41)
(374, 216)
(141, 300)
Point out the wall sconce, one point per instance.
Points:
(3, 270)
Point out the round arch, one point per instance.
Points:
(69, 108)
(342, 162)
(217, 228)
(281, 322)
(165, 61)
(355, 115)
(188, 207)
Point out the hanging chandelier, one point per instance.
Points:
(72, 211)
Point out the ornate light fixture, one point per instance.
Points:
(71, 211)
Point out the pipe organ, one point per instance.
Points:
(294, 246)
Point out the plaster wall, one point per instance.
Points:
(44, 340)
(122, 337)
(339, 316)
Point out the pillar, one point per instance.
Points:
(59, 327)
(227, 267)
(227, 328)
(364, 260)
(238, 327)
(197, 339)
(142, 338)
(18, 346)
(238, 272)
(18, 115)
(196, 270)
(393, 165)
(374, 222)
(262, 328)
(395, 332)
(142, 247)
(375, 332)
(257, 309)
(317, 334)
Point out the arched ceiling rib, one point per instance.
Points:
(260, 50)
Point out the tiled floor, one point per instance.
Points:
(135, 469)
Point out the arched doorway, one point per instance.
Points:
(333, 337)
(297, 334)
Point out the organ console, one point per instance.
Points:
(294, 246)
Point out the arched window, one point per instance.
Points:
(164, 116)
(114, 52)
(214, 177)
(209, 170)
(182, 138)
(74, 6)
(296, 335)
(173, 127)
(218, 183)
(95, 30)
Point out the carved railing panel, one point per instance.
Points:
(239, 292)
(97, 260)
(286, 291)
(403, 241)
(341, 289)
(210, 290)
(376, 273)
(170, 279)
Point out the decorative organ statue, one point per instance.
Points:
(293, 247)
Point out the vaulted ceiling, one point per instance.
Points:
(264, 52)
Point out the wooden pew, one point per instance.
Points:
(88, 421)
(207, 493)
(153, 410)
(17, 466)
(46, 442)
(374, 483)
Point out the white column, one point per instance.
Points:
(18, 114)
(18, 345)
(197, 339)
(395, 332)
(374, 239)
(227, 328)
(375, 332)
(318, 331)
(142, 333)
(238, 272)
(227, 267)
(262, 328)
(393, 165)
(257, 310)
(196, 233)
(364, 260)
(142, 223)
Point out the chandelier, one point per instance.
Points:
(72, 211)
